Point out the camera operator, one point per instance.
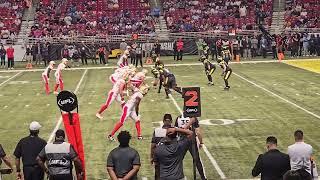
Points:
(192, 123)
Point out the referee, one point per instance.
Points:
(188, 123)
(28, 149)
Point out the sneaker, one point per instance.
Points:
(210, 83)
(106, 64)
(111, 138)
(227, 88)
(55, 92)
(99, 116)
(140, 138)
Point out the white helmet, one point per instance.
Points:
(51, 63)
(144, 89)
(64, 60)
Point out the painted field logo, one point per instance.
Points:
(67, 101)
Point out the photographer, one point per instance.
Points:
(170, 152)
(5, 159)
(192, 123)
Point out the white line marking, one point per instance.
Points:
(276, 95)
(213, 161)
(5, 107)
(48, 105)
(27, 105)
(10, 78)
(168, 65)
(60, 119)
(144, 178)
(318, 94)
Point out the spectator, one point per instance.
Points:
(59, 156)
(10, 56)
(272, 164)
(297, 175)
(180, 49)
(5, 159)
(156, 138)
(300, 153)
(157, 48)
(3, 53)
(192, 123)
(170, 152)
(123, 46)
(123, 162)
(27, 149)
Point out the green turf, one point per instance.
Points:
(235, 146)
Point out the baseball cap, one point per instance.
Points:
(34, 126)
(60, 133)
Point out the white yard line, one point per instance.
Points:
(212, 160)
(168, 65)
(276, 95)
(60, 119)
(4, 82)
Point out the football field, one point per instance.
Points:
(266, 98)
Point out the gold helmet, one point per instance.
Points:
(64, 61)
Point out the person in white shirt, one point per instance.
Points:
(300, 153)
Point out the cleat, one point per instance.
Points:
(210, 83)
(99, 116)
(56, 92)
(140, 138)
(110, 138)
(227, 88)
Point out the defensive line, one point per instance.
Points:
(212, 160)
(9, 79)
(278, 96)
(60, 119)
(168, 65)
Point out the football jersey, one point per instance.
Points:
(133, 99)
(138, 79)
(47, 71)
(116, 86)
(123, 61)
(61, 66)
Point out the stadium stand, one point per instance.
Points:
(208, 15)
(302, 14)
(88, 18)
(10, 17)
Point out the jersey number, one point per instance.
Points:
(193, 99)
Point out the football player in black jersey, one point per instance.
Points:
(169, 82)
(159, 65)
(209, 69)
(226, 72)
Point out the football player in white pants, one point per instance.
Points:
(58, 75)
(46, 75)
(131, 109)
(116, 93)
(123, 61)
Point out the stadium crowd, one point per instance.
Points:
(169, 145)
(198, 15)
(91, 18)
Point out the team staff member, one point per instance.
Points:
(27, 149)
(188, 123)
(156, 138)
(226, 73)
(5, 159)
(209, 69)
(123, 162)
(10, 56)
(60, 156)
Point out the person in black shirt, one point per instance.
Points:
(5, 159)
(83, 54)
(272, 164)
(28, 149)
(29, 54)
(156, 138)
(3, 53)
(157, 48)
(170, 152)
(175, 51)
(123, 162)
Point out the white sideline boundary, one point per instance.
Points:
(167, 65)
(60, 119)
(9, 79)
(278, 96)
(212, 160)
